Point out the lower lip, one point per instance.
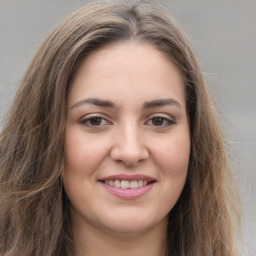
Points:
(128, 193)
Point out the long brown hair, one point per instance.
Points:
(34, 210)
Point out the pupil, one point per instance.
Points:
(95, 121)
(158, 121)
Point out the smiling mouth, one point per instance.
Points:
(126, 184)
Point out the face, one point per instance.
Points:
(127, 141)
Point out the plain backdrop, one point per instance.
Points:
(223, 35)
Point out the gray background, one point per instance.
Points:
(223, 35)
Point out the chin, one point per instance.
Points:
(130, 224)
(127, 229)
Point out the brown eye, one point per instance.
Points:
(95, 121)
(158, 121)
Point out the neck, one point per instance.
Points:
(90, 241)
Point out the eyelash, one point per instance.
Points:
(87, 122)
(166, 122)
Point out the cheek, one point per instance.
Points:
(82, 153)
(173, 155)
(173, 159)
(82, 157)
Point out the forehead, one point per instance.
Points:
(133, 54)
(127, 67)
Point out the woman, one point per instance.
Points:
(112, 146)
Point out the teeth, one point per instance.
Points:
(117, 183)
(133, 184)
(140, 183)
(126, 184)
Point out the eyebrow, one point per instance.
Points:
(161, 102)
(109, 104)
(94, 101)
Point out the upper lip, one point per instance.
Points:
(129, 177)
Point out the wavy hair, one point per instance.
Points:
(34, 210)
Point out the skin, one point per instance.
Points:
(128, 139)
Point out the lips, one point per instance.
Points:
(128, 186)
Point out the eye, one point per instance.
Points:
(94, 121)
(160, 121)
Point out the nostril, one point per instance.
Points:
(129, 157)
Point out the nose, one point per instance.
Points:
(129, 147)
